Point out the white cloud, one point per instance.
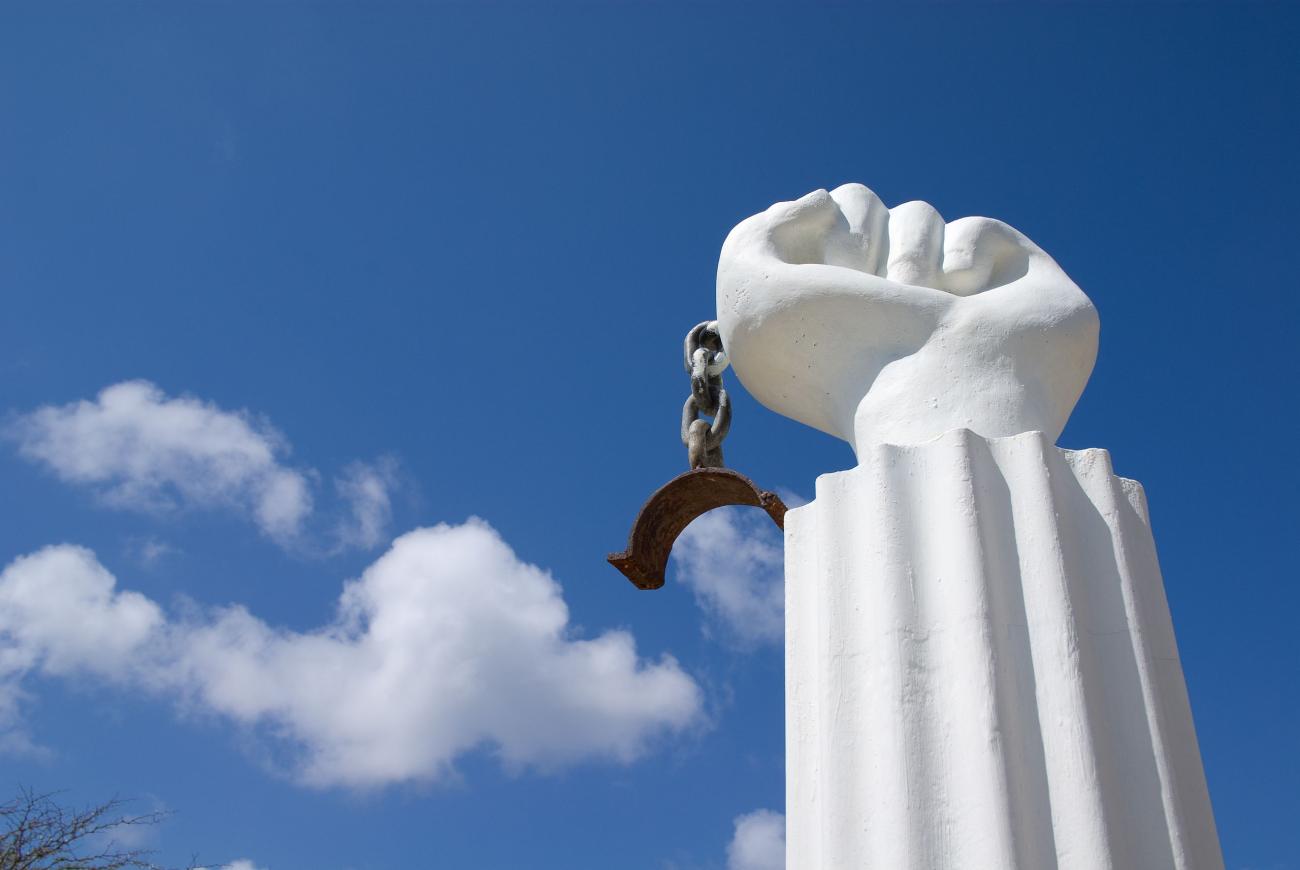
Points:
(445, 644)
(241, 864)
(367, 490)
(149, 551)
(60, 613)
(38, 631)
(733, 559)
(140, 449)
(758, 842)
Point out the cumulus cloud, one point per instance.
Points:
(138, 448)
(733, 560)
(60, 612)
(445, 644)
(758, 842)
(38, 633)
(141, 449)
(241, 864)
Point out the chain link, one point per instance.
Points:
(705, 362)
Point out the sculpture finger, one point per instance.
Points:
(863, 244)
(798, 229)
(980, 253)
(915, 244)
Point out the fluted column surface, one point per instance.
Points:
(981, 671)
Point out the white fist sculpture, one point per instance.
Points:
(886, 325)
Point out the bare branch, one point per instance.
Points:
(37, 832)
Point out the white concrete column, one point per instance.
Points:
(981, 670)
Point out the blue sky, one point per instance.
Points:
(357, 270)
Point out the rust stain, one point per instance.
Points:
(670, 510)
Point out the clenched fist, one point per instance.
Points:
(888, 325)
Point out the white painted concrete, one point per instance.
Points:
(981, 670)
(880, 325)
(980, 666)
